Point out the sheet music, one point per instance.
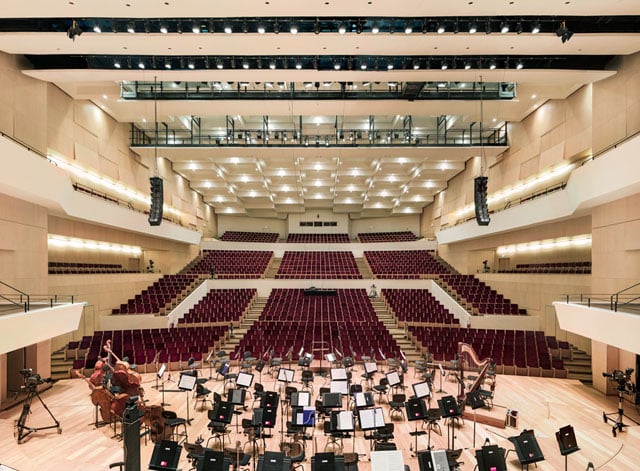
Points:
(371, 418)
(370, 367)
(439, 460)
(301, 398)
(187, 382)
(393, 377)
(286, 375)
(339, 387)
(388, 460)
(338, 373)
(344, 421)
(421, 389)
(244, 379)
(161, 371)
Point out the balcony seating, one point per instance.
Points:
(239, 236)
(220, 305)
(292, 321)
(232, 263)
(404, 236)
(76, 268)
(332, 265)
(417, 305)
(573, 268)
(156, 297)
(404, 264)
(318, 238)
(514, 351)
(480, 298)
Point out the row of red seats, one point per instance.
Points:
(402, 236)
(551, 267)
(318, 238)
(157, 296)
(220, 305)
(403, 262)
(73, 268)
(417, 305)
(232, 263)
(318, 265)
(481, 297)
(239, 236)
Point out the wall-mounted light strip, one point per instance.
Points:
(125, 193)
(583, 240)
(72, 242)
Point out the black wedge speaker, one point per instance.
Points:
(480, 200)
(155, 212)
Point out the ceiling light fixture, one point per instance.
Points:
(375, 28)
(408, 29)
(293, 29)
(261, 29)
(441, 28)
(504, 28)
(473, 27)
(131, 28)
(535, 29)
(164, 29)
(342, 29)
(195, 29)
(96, 28)
(228, 29)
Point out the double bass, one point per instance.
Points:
(127, 379)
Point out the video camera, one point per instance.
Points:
(31, 379)
(623, 378)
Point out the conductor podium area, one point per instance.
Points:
(212, 416)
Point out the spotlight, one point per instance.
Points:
(363, 66)
(219, 65)
(389, 66)
(473, 27)
(272, 65)
(441, 28)
(191, 65)
(519, 65)
(74, 30)
(116, 64)
(342, 29)
(261, 29)
(375, 28)
(131, 27)
(293, 29)
(408, 29)
(164, 29)
(298, 65)
(141, 65)
(336, 66)
(535, 29)
(444, 65)
(504, 28)
(96, 28)
(492, 65)
(245, 64)
(467, 65)
(563, 32)
(228, 29)
(167, 65)
(195, 29)
(416, 65)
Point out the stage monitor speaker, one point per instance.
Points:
(491, 458)
(157, 199)
(213, 461)
(527, 447)
(166, 455)
(566, 438)
(480, 200)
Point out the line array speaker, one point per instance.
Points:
(480, 200)
(157, 198)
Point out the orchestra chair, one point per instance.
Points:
(239, 458)
(258, 394)
(202, 396)
(172, 420)
(396, 405)
(382, 388)
(218, 429)
(382, 437)
(295, 450)
(307, 380)
(335, 438)
(354, 388)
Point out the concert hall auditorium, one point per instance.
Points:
(319, 235)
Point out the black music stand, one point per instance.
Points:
(491, 458)
(363, 399)
(166, 456)
(303, 416)
(475, 400)
(527, 448)
(433, 460)
(567, 442)
(273, 461)
(327, 461)
(416, 410)
(237, 397)
(341, 423)
(187, 383)
(213, 461)
(449, 409)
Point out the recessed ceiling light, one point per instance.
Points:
(96, 28)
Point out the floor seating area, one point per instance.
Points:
(77, 268)
(417, 305)
(520, 352)
(404, 264)
(318, 238)
(233, 263)
(173, 346)
(551, 267)
(403, 236)
(332, 265)
(479, 297)
(342, 320)
(220, 306)
(155, 297)
(239, 236)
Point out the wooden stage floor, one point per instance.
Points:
(543, 405)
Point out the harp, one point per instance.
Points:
(466, 354)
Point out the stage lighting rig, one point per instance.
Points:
(74, 30)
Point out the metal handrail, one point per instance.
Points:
(615, 297)
(602, 300)
(24, 297)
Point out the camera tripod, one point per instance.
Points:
(21, 424)
(619, 415)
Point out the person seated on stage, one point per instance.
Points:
(373, 292)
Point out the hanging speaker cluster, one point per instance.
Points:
(480, 200)
(155, 212)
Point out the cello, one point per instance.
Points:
(124, 376)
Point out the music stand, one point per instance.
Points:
(286, 375)
(475, 400)
(338, 374)
(210, 360)
(433, 460)
(341, 387)
(491, 458)
(300, 399)
(449, 409)
(187, 383)
(327, 461)
(393, 377)
(342, 422)
(416, 410)
(331, 400)
(244, 380)
(527, 448)
(237, 397)
(160, 374)
(273, 461)
(213, 460)
(363, 399)
(303, 417)
(421, 390)
(567, 442)
(330, 357)
(371, 419)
